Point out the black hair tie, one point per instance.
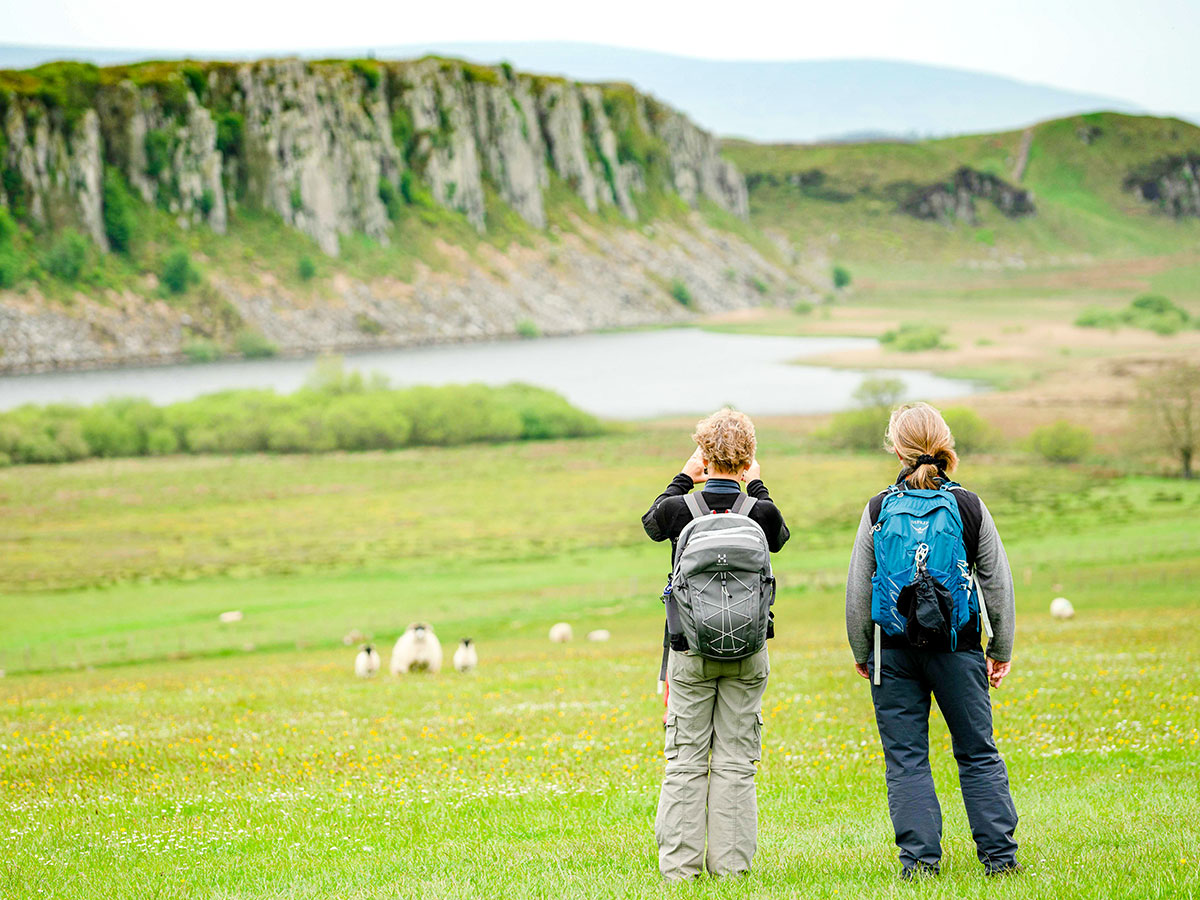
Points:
(926, 460)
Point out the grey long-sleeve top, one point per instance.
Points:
(991, 573)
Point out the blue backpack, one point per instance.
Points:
(919, 536)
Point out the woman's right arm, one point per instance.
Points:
(858, 589)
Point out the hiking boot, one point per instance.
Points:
(917, 871)
(1013, 868)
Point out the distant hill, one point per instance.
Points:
(764, 101)
(1098, 184)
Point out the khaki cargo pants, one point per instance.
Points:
(714, 739)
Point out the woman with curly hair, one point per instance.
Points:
(714, 719)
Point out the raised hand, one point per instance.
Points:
(694, 467)
(753, 472)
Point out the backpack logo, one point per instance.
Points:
(920, 526)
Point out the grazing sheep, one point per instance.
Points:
(560, 633)
(600, 634)
(417, 649)
(228, 618)
(367, 662)
(1061, 608)
(465, 657)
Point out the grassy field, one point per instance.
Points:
(145, 750)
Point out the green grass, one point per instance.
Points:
(276, 773)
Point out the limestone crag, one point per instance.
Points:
(579, 281)
(325, 144)
(1171, 183)
(954, 200)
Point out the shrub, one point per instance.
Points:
(157, 144)
(458, 414)
(307, 268)
(253, 345)
(118, 211)
(230, 127)
(162, 441)
(680, 292)
(857, 429)
(758, 284)
(802, 307)
(1061, 442)
(370, 421)
(841, 277)
(1098, 317)
(178, 273)
(107, 434)
(11, 267)
(8, 227)
(201, 350)
(206, 201)
(527, 328)
(545, 414)
(912, 337)
(972, 433)
(67, 256)
(879, 392)
(392, 199)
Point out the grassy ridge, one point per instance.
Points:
(1077, 187)
(280, 775)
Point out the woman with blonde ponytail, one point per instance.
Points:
(928, 578)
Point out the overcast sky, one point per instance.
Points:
(1144, 51)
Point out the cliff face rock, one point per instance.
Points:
(954, 200)
(1172, 183)
(578, 281)
(324, 145)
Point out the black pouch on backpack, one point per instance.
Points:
(926, 606)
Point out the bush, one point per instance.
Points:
(877, 392)
(252, 345)
(913, 337)
(118, 211)
(458, 414)
(391, 198)
(67, 256)
(206, 201)
(527, 328)
(680, 292)
(857, 429)
(201, 350)
(178, 273)
(802, 307)
(841, 277)
(307, 268)
(545, 414)
(1098, 317)
(157, 144)
(162, 441)
(1061, 442)
(107, 434)
(972, 433)
(8, 227)
(367, 422)
(11, 267)
(759, 285)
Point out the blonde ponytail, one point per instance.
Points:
(919, 434)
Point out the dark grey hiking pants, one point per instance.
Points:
(959, 683)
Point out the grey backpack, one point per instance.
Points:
(721, 590)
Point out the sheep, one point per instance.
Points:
(417, 649)
(1061, 608)
(465, 657)
(600, 634)
(366, 663)
(228, 618)
(560, 633)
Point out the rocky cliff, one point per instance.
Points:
(513, 203)
(324, 145)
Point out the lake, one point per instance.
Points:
(626, 375)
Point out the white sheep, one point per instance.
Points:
(228, 618)
(560, 633)
(465, 657)
(600, 634)
(417, 649)
(1061, 608)
(367, 662)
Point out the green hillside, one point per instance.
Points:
(1076, 171)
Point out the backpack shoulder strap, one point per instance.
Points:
(696, 505)
(971, 511)
(875, 504)
(743, 504)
